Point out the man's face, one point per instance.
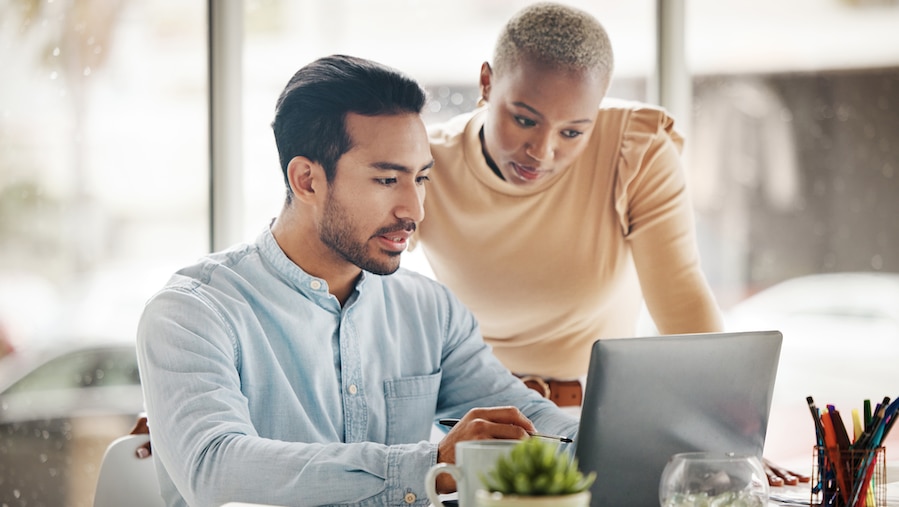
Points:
(539, 119)
(376, 199)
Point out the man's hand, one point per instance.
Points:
(506, 423)
(140, 428)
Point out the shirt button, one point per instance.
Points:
(352, 389)
(409, 498)
(315, 284)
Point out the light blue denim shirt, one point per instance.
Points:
(259, 387)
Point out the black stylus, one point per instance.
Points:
(452, 422)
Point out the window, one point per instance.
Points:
(103, 160)
(103, 193)
(792, 146)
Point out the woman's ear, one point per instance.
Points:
(305, 178)
(485, 81)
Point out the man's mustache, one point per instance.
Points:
(404, 225)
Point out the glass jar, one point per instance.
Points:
(709, 479)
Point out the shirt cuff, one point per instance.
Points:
(407, 466)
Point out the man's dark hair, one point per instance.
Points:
(311, 111)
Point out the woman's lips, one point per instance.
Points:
(527, 173)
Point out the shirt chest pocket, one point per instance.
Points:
(411, 404)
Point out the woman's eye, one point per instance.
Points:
(525, 122)
(571, 133)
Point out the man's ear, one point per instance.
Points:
(485, 81)
(305, 177)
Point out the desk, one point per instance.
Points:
(801, 495)
(782, 496)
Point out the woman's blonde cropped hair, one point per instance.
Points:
(555, 35)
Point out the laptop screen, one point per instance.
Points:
(649, 398)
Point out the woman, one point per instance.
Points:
(550, 209)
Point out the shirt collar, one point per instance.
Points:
(312, 287)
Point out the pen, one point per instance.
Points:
(884, 414)
(449, 423)
(839, 428)
(867, 408)
(819, 431)
(835, 455)
(823, 481)
(857, 427)
(876, 420)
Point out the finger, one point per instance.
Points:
(140, 426)
(502, 415)
(800, 477)
(773, 479)
(144, 451)
(788, 478)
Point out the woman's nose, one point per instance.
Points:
(540, 147)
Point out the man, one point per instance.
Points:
(305, 368)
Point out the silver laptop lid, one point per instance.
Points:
(649, 398)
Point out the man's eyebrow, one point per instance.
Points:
(537, 113)
(390, 166)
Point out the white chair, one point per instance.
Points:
(125, 479)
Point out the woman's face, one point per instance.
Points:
(539, 118)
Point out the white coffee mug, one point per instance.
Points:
(474, 458)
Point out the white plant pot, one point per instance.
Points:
(486, 499)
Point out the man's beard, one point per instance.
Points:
(337, 233)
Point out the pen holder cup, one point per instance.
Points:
(849, 478)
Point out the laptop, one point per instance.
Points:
(647, 399)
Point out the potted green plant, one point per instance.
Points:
(535, 474)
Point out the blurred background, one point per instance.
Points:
(108, 167)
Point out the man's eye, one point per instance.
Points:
(525, 122)
(385, 181)
(422, 179)
(571, 133)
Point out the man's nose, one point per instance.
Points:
(411, 205)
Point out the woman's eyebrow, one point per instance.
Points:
(537, 113)
(529, 108)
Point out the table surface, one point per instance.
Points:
(801, 495)
(781, 496)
